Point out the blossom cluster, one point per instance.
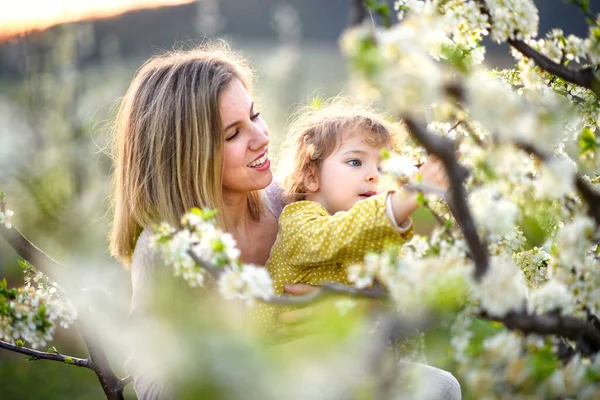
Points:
(29, 314)
(543, 246)
(201, 239)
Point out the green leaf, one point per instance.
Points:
(385, 153)
(533, 231)
(52, 350)
(543, 364)
(32, 358)
(19, 343)
(316, 103)
(69, 360)
(587, 141)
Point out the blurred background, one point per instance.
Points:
(63, 67)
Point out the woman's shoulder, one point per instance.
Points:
(146, 268)
(145, 255)
(275, 198)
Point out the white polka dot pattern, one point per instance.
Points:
(315, 247)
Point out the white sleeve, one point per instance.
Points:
(389, 212)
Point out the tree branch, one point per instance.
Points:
(42, 355)
(28, 251)
(326, 290)
(550, 324)
(98, 360)
(358, 13)
(444, 149)
(584, 77)
(589, 194)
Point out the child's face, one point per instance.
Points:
(350, 174)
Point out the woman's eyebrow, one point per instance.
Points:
(231, 125)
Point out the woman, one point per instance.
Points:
(188, 135)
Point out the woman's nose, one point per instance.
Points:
(260, 137)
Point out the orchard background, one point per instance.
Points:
(528, 141)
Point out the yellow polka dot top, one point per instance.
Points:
(315, 247)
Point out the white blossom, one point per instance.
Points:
(247, 283)
(399, 166)
(513, 19)
(503, 347)
(502, 288)
(551, 296)
(556, 178)
(504, 216)
(5, 218)
(572, 243)
(534, 264)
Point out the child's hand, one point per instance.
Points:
(433, 172)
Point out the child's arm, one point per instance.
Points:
(312, 237)
(433, 172)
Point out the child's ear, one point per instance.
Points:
(311, 180)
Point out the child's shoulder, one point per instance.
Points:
(299, 209)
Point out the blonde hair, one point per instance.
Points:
(316, 131)
(168, 142)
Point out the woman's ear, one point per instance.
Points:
(311, 180)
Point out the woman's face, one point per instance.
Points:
(246, 163)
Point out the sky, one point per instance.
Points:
(25, 15)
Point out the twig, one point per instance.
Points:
(42, 355)
(328, 289)
(444, 149)
(98, 360)
(584, 77)
(212, 270)
(589, 194)
(28, 251)
(358, 13)
(423, 187)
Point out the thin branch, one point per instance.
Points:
(42, 355)
(358, 13)
(126, 381)
(550, 324)
(584, 77)
(444, 149)
(328, 289)
(423, 187)
(28, 251)
(212, 270)
(111, 385)
(589, 194)
(98, 360)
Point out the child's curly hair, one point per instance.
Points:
(315, 132)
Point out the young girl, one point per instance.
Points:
(339, 212)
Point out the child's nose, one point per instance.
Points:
(372, 175)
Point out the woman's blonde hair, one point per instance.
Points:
(168, 142)
(316, 131)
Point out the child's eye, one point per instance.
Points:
(380, 170)
(254, 116)
(237, 131)
(354, 163)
